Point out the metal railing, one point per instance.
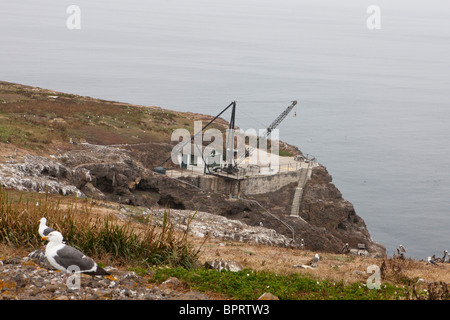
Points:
(243, 172)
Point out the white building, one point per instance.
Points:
(198, 163)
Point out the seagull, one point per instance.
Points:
(302, 244)
(43, 228)
(400, 252)
(431, 261)
(441, 260)
(66, 258)
(445, 254)
(314, 261)
(345, 248)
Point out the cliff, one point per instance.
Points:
(37, 124)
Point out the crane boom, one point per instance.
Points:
(281, 117)
(272, 126)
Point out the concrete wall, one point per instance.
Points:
(251, 185)
(269, 183)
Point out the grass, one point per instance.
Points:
(28, 119)
(141, 245)
(95, 235)
(249, 285)
(163, 252)
(284, 153)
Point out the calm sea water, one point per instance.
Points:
(373, 104)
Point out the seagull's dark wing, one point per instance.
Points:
(47, 231)
(69, 256)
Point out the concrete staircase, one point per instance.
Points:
(305, 174)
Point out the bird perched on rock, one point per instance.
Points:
(68, 259)
(314, 261)
(302, 244)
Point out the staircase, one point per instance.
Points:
(304, 176)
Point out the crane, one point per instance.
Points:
(180, 147)
(273, 125)
(230, 167)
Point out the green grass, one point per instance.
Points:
(249, 285)
(284, 153)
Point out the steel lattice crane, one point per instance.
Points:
(273, 125)
(232, 167)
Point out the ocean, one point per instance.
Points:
(373, 103)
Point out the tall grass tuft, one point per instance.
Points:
(97, 235)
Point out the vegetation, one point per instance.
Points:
(34, 119)
(162, 252)
(284, 153)
(249, 285)
(99, 236)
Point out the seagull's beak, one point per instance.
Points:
(44, 238)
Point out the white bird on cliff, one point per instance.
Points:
(68, 259)
(345, 248)
(431, 261)
(314, 261)
(43, 228)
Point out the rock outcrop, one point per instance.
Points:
(40, 174)
(202, 224)
(26, 279)
(115, 174)
(327, 221)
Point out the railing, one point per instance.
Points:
(243, 172)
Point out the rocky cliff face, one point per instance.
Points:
(327, 221)
(324, 207)
(116, 174)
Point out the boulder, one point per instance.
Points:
(268, 296)
(228, 265)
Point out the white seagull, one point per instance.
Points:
(43, 228)
(67, 258)
(314, 261)
(431, 261)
